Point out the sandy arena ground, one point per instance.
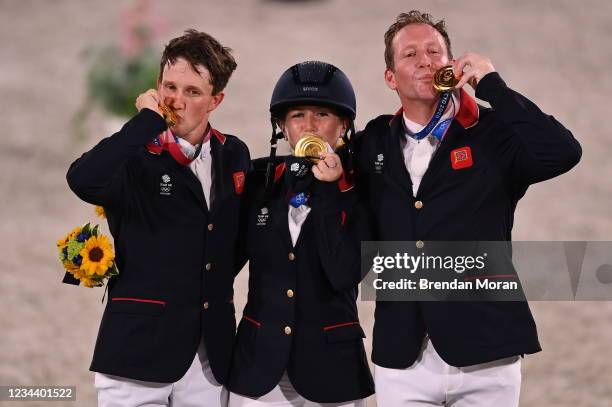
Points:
(556, 52)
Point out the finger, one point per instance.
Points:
(317, 173)
(461, 63)
(331, 159)
(465, 79)
(458, 65)
(153, 94)
(330, 162)
(322, 166)
(324, 154)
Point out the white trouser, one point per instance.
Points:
(196, 388)
(431, 381)
(285, 395)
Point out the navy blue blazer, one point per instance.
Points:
(175, 254)
(301, 315)
(481, 169)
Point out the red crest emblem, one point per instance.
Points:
(461, 158)
(239, 182)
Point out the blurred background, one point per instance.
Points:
(66, 63)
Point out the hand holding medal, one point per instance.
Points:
(329, 167)
(472, 68)
(469, 68)
(310, 147)
(151, 100)
(313, 148)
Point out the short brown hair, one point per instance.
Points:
(199, 48)
(412, 17)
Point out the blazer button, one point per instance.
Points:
(287, 330)
(290, 293)
(418, 204)
(208, 266)
(205, 305)
(420, 244)
(291, 256)
(210, 226)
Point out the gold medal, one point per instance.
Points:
(310, 146)
(169, 115)
(444, 79)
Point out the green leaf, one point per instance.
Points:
(74, 248)
(114, 271)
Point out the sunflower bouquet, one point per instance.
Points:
(87, 255)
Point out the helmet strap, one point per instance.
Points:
(348, 138)
(272, 158)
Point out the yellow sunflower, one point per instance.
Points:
(98, 255)
(100, 211)
(71, 267)
(64, 240)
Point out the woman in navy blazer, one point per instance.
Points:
(300, 341)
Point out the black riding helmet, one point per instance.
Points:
(311, 83)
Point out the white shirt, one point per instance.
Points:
(201, 165)
(418, 153)
(297, 217)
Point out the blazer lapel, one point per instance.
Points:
(280, 220)
(466, 117)
(397, 174)
(305, 230)
(219, 187)
(187, 176)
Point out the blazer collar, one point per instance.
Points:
(467, 115)
(219, 187)
(219, 136)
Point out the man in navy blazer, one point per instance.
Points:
(445, 169)
(172, 198)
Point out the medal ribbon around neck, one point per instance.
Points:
(167, 141)
(445, 97)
